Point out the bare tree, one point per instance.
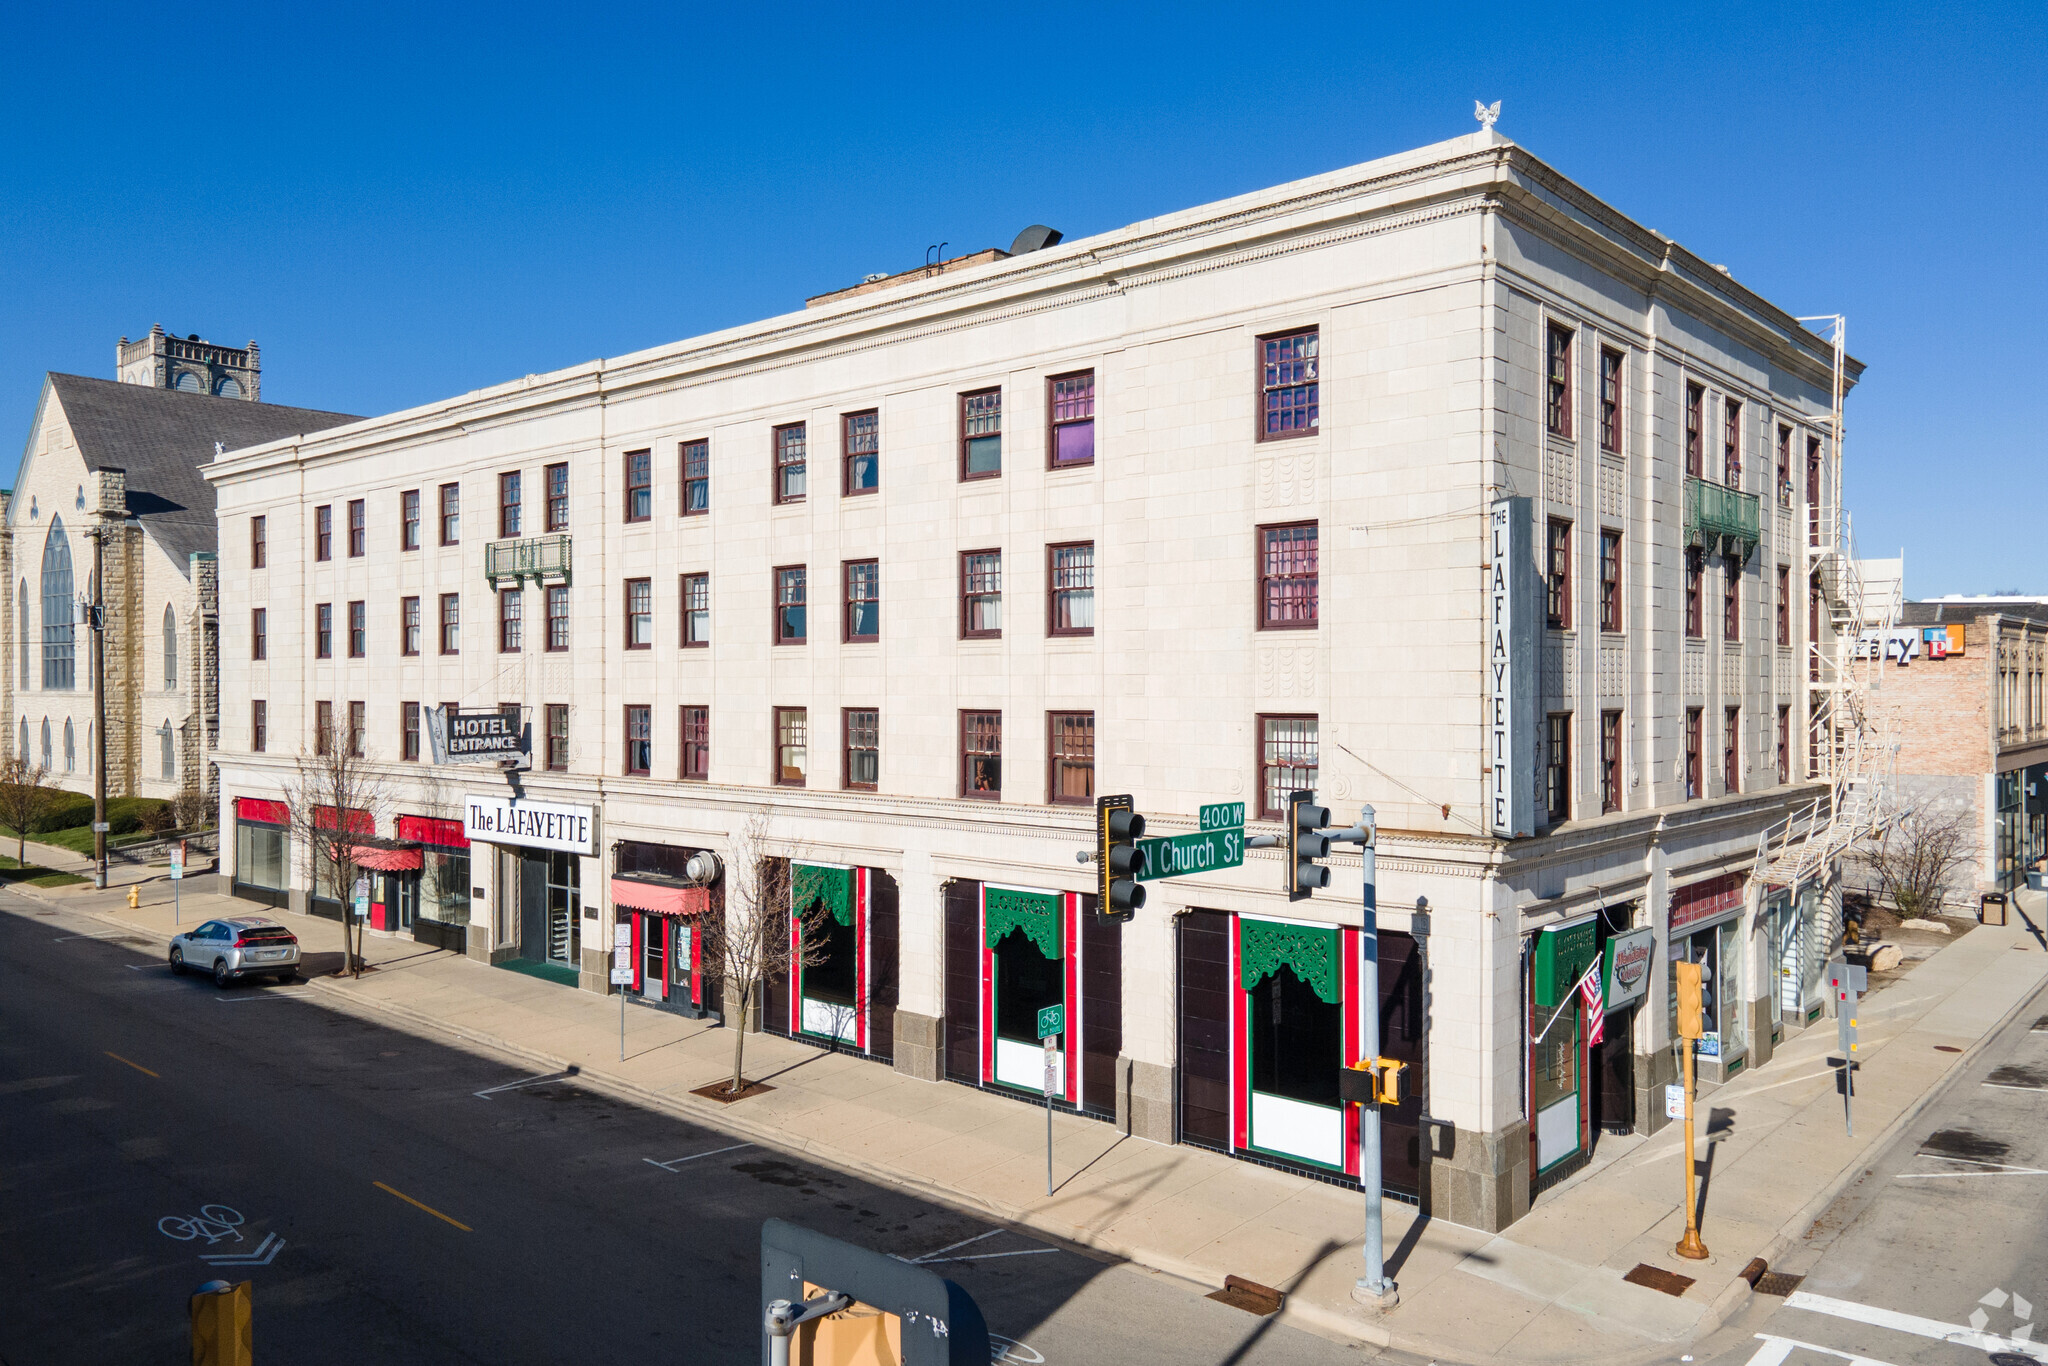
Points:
(1917, 856)
(335, 779)
(25, 793)
(752, 943)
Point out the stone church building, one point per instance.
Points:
(117, 463)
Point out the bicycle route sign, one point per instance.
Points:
(1052, 1021)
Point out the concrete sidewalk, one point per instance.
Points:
(1772, 1150)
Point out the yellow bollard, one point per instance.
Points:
(221, 1324)
(135, 898)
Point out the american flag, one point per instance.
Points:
(1595, 1003)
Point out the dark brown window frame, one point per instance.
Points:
(556, 517)
(447, 514)
(409, 726)
(259, 542)
(1260, 766)
(556, 763)
(358, 629)
(1557, 378)
(1054, 592)
(1053, 758)
(1613, 369)
(1731, 600)
(1731, 751)
(685, 746)
(358, 728)
(323, 533)
(1731, 441)
(1696, 430)
(1557, 574)
(967, 791)
(358, 529)
(847, 455)
(1612, 607)
(1695, 594)
(775, 745)
(1784, 744)
(409, 514)
(511, 626)
(557, 592)
(1610, 762)
(259, 633)
(1053, 424)
(960, 426)
(848, 603)
(779, 468)
(1784, 489)
(1260, 389)
(636, 485)
(684, 450)
(259, 725)
(646, 585)
(776, 605)
(511, 503)
(965, 597)
(687, 634)
(442, 624)
(323, 727)
(1695, 741)
(323, 630)
(1557, 767)
(1262, 579)
(846, 749)
(1784, 607)
(646, 716)
(409, 643)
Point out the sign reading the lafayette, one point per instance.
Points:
(538, 825)
(477, 737)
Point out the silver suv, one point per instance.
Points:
(246, 946)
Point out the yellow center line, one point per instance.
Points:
(136, 1065)
(428, 1208)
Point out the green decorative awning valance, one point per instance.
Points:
(1035, 913)
(1311, 950)
(812, 884)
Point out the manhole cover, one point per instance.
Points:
(1777, 1283)
(1657, 1278)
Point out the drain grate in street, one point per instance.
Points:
(1777, 1283)
(1250, 1296)
(1657, 1278)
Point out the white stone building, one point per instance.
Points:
(1198, 510)
(121, 460)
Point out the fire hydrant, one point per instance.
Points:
(134, 898)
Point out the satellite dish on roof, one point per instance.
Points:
(1037, 237)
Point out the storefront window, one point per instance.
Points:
(444, 885)
(1295, 1038)
(832, 979)
(1026, 982)
(260, 856)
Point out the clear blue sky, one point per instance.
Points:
(403, 203)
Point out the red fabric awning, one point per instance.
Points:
(257, 809)
(432, 830)
(360, 822)
(659, 898)
(386, 860)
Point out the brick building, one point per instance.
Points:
(1961, 696)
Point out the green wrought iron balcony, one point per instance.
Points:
(1718, 516)
(530, 557)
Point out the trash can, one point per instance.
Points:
(1991, 909)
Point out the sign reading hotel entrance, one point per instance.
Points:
(1179, 855)
(537, 825)
(477, 737)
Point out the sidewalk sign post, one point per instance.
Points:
(177, 882)
(1848, 982)
(1690, 1027)
(622, 975)
(1052, 1022)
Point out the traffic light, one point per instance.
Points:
(1304, 845)
(1117, 832)
(1690, 1023)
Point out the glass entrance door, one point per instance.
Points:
(564, 910)
(403, 891)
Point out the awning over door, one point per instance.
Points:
(659, 895)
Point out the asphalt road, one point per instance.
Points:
(407, 1218)
(1938, 1254)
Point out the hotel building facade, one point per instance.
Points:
(1211, 508)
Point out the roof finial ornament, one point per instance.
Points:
(1487, 114)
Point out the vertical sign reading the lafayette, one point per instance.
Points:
(1510, 666)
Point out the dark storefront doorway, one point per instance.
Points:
(550, 910)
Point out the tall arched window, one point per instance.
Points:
(58, 631)
(170, 755)
(170, 649)
(21, 627)
(70, 748)
(22, 753)
(46, 742)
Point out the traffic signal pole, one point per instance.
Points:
(1373, 1288)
